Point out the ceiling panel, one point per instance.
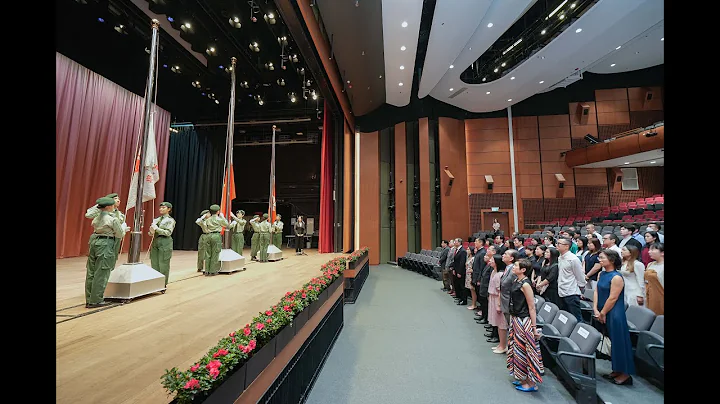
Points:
(400, 26)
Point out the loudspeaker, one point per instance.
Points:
(583, 111)
(490, 185)
(618, 179)
(648, 96)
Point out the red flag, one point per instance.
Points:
(226, 207)
(272, 208)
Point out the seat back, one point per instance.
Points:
(548, 312)
(564, 323)
(639, 318)
(583, 339)
(589, 293)
(658, 326)
(539, 302)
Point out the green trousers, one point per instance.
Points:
(264, 242)
(254, 244)
(117, 248)
(213, 246)
(201, 251)
(101, 260)
(277, 240)
(160, 254)
(238, 242)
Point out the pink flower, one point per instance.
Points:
(220, 352)
(233, 340)
(214, 372)
(192, 384)
(214, 364)
(260, 326)
(252, 344)
(304, 296)
(194, 367)
(232, 334)
(287, 294)
(268, 313)
(268, 321)
(286, 308)
(246, 331)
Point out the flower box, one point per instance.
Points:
(231, 387)
(300, 320)
(313, 307)
(283, 337)
(259, 361)
(358, 262)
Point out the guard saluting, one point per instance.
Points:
(201, 241)
(264, 238)
(238, 228)
(162, 245)
(101, 257)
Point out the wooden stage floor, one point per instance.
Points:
(117, 354)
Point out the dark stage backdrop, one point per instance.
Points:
(194, 180)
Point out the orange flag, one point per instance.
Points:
(225, 205)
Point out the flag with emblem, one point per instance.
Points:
(150, 173)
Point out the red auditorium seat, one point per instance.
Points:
(607, 221)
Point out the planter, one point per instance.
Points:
(230, 389)
(314, 306)
(283, 337)
(259, 361)
(300, 320)
(358, 262)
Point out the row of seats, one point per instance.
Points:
(425, 263)
(655, 203)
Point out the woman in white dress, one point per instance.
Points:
(633, 273)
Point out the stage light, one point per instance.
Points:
(496, 70)
(542, 32)
(171, 19)
(269, 66)
(270, 18)
(292, 96)
(244, 84)
(294, 58)
(254, 47)
(484, 78)
(164, 65)
(196, 84)
(562, 16)
(572, 5)
(261, 102)
(211, 51)
(175, 69)
(235, 22)
(314, 95)
(101, 19)
(120, 28)
(228, 69)
(217, 102)
(280, 82)
(282, 41)
(186, 27)
(503, 64)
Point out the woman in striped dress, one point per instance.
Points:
(523, 356)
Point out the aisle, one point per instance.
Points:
(405, 341)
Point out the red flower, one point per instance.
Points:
(192, 384)
(244, 348)
(252, 344)
(194, 367)
(220, 352)
(287, 294)
(233, 340)
(260, 326)
(268, 313)
(232, 334)
(213, 364)
(304, 295)
(286, 308)
(268, 321)
(214, 372)
(246, 331)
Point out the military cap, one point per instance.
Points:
(265, 215)
(214, 208)
(168, 204)
(241, 212)
(113, 195)
(256, 216)
(105, 201)
(204, 212)
(278, 216)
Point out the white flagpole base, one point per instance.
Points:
(230, 261)
(274, 253)
(129, 281)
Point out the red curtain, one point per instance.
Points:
(96, 131)
(327, 218)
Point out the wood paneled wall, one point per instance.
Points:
(554, 131)
(425, 219)
(455, 211)
(348, 188)
(401, 179)
(369, 176)
(488, 153)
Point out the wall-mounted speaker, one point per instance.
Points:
(583, 111)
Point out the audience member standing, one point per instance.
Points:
(656, 228)
(509, 258)
(449, 264)
(468, 277)
(633, 273)
(626, 232)
(655, 279)
(495, 314)
(547, 285)
(592, 263)
(441, 262)
(571, 277)
(610, 242)
(459, 273)
(651, 238)
(483, 289)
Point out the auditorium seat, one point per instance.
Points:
(650, 351)
(539, 302)
(547, 313)
(562, 326)
(639, 318)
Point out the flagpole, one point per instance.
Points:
(136, 234)
(227, 240)
(272, 178)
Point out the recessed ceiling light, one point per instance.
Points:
(541, 81)
(653, 162)
(402, 48)
(488, 93)
(662, 39)
(400, 84)
(451, 89)
(542, 32)
(404, 24)
(509, 99)
(484, 78)
(512, 78)
(579, 30)
(402, 67)
(503, 64)
(451, 66)
(562, 16)
(380, 76)
(627, 162)
(572, 5)
(490, 25)
(496, 70)
(618, 47)
(612, 65)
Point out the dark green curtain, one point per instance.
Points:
(194, 180)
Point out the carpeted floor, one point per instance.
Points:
(405, 341)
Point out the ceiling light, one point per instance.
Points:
(572, 5)
(556, 9)
(541, 81)
(217, 102)
(618, 47)
(280, 82)
(380, 76)
(211, 51)
(496, 70)
(490, 25)
(254, 47)
(402, 67)
(235, 22)
(100, 19)
(120, 29)
(292, 97)
(653, 162)
(488, 93)
(271, 15)
(627, 162)
(314, 95)
(562, 16)
(244, 84)
(221, 67)
(196, 84)
(509, 99)
(402, 48)
(175, 69)
(164, 65)
(187, 25)
(171, 19)
(451, 66)
(451, 89)
(542, 32)
(484, 78)
(270, 18)
(612, 65)
(579, 30)
(662, 39)
(400, 84)
(512, 46)
(261, 102)
(404, 24)
(512, 78)
(503, 64)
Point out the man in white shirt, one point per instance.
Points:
(571, 278)
(610, 241)
(591, 231)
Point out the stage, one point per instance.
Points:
(117, 354)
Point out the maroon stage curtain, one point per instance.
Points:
(96, 131)
(327, 218)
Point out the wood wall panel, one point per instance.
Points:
(636, 99)
(624, 146)
(486, 123)
(401, 178)
(370, 194)
(590, 177)
(454, 207)
(547, 121)
(348, 188)
(487, 135)
(611, 94)
(575, 118)
(425, 219)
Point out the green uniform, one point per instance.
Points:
(101, 257)
(255, 240)
(93, 212)
(201, 244)
(238, 235)
(213, 242)
(162, 245)
(263, 239)
(277, 237)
